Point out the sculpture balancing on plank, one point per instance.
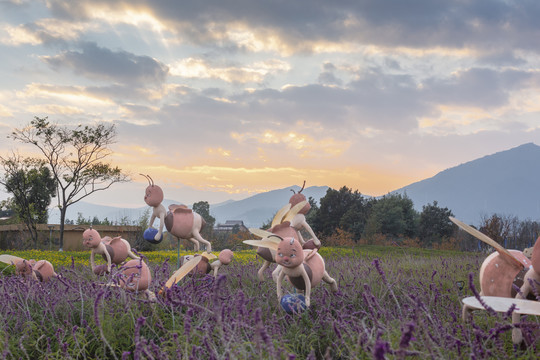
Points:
(305, 269)
(189, 266)
(205, 266)
(114, 251)
(504, 269)
(281, 226)
(41, 270)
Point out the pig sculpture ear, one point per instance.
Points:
(483, 237)
(10, 259)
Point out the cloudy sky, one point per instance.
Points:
(222, 99)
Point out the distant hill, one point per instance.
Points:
(260, 208)
(506, 183)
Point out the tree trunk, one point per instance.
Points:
(32, 230)
(62, 220)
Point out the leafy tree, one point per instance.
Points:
(142, 222)
(311, 216)
(496, 227)
(434, 224)
(203, 208)
(7, 211)
(355, 218)
(75, 157)
(392, 215)
(32, 185)
(81, 220)
(332, 208)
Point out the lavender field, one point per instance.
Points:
(392, 303)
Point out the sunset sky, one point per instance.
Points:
(223, 99)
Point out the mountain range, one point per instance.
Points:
(506, 183)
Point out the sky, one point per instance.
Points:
(224, 99)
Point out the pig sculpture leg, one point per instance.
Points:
(198, 224)
(330, 281)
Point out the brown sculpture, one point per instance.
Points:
(185, 223)
(304, 268)
(114, 251)
(504, 269)
(41, 270)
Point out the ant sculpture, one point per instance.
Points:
(153, 197)
(304, 268)
(299, 220)
(135, 276)
(281, 226)
(41, 270)
(185, 223)
(204, 266)
(115, 250)
(502, 272)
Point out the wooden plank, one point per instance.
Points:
(483, 237)
(502, 304)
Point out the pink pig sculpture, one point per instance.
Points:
(205, 266)
(114, 251)
(281, 226)
(185, 223)
(135, 276)
(304, 268)
(299, 220)
(503, 270)
(41, 270)
(153, 196)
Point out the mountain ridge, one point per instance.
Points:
(504, 182)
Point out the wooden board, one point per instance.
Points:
(183, 271)
(483, 237)
(10, 259)
(502, 304)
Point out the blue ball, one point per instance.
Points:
(149, 235)
(293, 303)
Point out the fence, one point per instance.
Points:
(17, 237)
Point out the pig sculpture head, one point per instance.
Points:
(153, 195)
(289, 253)
(298, 198)
(24, 267)
(91, 238)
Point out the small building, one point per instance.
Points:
(231, 225)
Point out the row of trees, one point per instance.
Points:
(346, 214)
(392, 216)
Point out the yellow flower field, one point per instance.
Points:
(68, 258)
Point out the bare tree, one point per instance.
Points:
(75, 157)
